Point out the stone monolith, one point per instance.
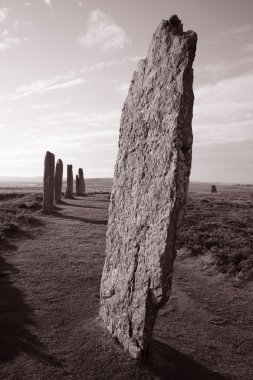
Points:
(150, 188)
(58, 180)
(81, 182)
(48, 183)
(77, 185)
(213, 189)
(69, 189)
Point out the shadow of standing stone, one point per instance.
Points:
(17, 321)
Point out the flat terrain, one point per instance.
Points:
(50, 272)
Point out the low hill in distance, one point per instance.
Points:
(27, 184)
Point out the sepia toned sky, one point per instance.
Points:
(65, 70)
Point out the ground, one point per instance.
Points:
(50, 270)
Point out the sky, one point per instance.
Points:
(66, 66)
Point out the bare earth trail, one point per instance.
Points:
(49, 298)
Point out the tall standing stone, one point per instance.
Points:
(81, 182)
(150, 188)
(69, 189)
(58, 180)
(48, 183)
(77, 185)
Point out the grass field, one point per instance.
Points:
(50, 270)
(218, 229)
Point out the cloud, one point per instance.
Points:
(80, 3)
(216, 71)
(49, 4)
(229, 162)
(7, 42)
(80, 120)
(225, 35)
(223, 111)
(123, 88)
(52, 105)
(66, 80)
(103, 65)
(57, 82)
(103, 32)
(3, 14)
(6, 39)
(238, 30)
(248, 47)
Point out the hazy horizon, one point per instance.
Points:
(67, 66)
(39, 180)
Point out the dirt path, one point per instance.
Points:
(49, 297)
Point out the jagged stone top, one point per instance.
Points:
(167, 32)
(175, 26)
(49, 153)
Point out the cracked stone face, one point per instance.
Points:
(48, 182)
(150, 188)
(58, 180)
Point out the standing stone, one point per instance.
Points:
(213, 189)
(81, 182)
(77, 185)
(150, 188)
(69, 189)
(58, 180)
(48, 182)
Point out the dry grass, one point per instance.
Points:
(219, 228)
(16, 212)
(49, 299)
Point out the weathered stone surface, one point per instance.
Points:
(48, 183)
(58, 180)
(213, 189)
(77, 185)
(150, 187)
(81, 182)
(69, 189)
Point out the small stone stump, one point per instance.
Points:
(48, 183)
(58, 180)
(69, 189)
(150, 188)
(213, 189)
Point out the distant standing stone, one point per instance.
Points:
(150, 188)
(213, 189)
(77, 185)
(81, 182)
(69, 189)
(48, 182)
(58, 180)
